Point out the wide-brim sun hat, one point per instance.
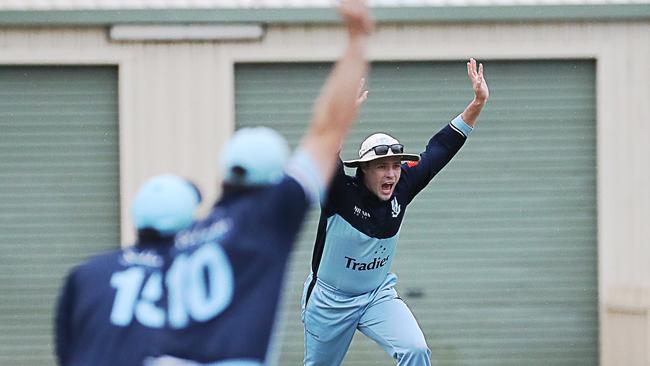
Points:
(165, 203)
(254, 156)
(378, 146)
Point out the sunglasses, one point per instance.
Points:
(383, 149)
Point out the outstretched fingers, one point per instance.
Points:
(479, 84)
(471, 69)
(362, 92)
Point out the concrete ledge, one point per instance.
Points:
(514, 13)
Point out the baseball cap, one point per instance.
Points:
(380, 145)
(254, 156)
(165, 203)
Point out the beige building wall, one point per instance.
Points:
(176, 110)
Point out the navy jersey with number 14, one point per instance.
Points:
(110, 309)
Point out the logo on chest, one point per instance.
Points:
(376, 263)
(355, 265)
(396, 208)
(361, 213)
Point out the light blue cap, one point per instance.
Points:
(254, 156)
(165, 203)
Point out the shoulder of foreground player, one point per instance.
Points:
(302, 167)
(99, 261)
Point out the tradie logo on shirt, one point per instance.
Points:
(376, 263)
(396, 207)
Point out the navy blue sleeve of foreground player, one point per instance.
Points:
(63, 321)
(439, 151)
(289, 201)
(335, 190)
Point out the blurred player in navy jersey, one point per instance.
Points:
(109, 308)
(224, 283)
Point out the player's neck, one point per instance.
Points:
(231, 191)
(153, 237)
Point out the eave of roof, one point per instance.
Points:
(511, 13)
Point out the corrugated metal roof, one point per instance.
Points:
(192, 4)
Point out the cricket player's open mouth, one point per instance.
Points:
(386, 188)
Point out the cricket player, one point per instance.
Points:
(224, 283)
(108, 309)
(350, 286)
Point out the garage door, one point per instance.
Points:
(497, 257)
(59, 197)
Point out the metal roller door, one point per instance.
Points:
(60, 193)
(497, 257)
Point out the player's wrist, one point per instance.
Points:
(479, 101)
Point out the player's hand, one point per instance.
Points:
(356, 17)
(362, 92)
(481, 91)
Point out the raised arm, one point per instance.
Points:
(481, 93)
(445, 144)
(336, 107)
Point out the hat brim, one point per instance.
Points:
(403, 157)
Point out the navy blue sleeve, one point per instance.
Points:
(335, 190)
(63, 321)
(439, 151)
(284, 210)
